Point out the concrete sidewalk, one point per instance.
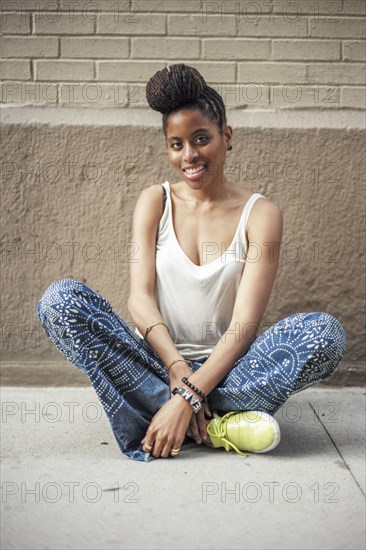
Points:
(65, 484)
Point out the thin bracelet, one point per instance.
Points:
(176, 361)
(153, 325)
(193, 387)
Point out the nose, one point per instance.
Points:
(189, 153)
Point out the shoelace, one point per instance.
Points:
(219, 430)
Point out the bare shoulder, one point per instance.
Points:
(265, 205)
(266, 218)
(262, 207)
(154, 192)
(150, 202)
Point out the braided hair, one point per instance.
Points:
(181, 86)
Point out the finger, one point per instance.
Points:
(147, 443)
(148, 446)
(176, 446)
(202, 425)
(166, 448)
(194, 428)
(207, 409)
(158, 447)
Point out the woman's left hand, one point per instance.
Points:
(168, 427)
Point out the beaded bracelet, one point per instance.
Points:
(193, 387)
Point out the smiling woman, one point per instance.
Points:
(195, 365)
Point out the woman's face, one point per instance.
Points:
(194, 142)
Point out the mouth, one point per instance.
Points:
(195, 173)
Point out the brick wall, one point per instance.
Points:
(257, 54)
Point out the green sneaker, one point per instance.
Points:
(253, 431)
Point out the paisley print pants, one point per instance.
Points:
(130, 378)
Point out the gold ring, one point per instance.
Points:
(148, 447)
(174, 452)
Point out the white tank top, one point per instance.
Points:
(196, 302)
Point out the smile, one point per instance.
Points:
(194, 173)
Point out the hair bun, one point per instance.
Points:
(172, 86)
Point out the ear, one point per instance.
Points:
(228, 132)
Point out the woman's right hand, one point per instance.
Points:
(198, 423)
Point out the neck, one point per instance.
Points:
(207, 193)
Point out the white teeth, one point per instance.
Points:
(191, 171)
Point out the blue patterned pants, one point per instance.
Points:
(131, 381)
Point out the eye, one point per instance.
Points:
(198, 137)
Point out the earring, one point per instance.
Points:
(229, 147)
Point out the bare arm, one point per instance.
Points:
(141, 301)
(265, 235)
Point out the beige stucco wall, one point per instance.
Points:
(72, 179)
